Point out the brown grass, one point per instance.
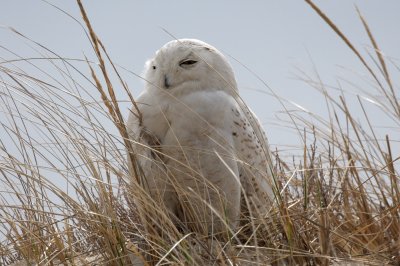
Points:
(63, 174)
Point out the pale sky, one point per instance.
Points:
(272, 38)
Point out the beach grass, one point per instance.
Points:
(67, 196)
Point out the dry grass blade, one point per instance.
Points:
(379, 55)
(344, 38)
(114, 108)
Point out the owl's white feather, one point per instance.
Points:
(199, 146)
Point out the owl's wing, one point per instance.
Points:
(256, 164)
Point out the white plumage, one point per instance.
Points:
(199, 146)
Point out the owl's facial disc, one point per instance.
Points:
(186, 65)
(177, 71)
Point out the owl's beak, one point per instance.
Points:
(167, 84)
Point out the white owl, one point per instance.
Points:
(202, 151)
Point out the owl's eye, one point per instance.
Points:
(154, 67)
(187, 63)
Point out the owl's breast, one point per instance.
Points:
(199, 118)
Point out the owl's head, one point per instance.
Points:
(186, 65)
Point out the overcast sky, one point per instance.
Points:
(272, 38)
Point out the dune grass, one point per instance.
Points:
(63, 174)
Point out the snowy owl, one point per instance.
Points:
(202, 152)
